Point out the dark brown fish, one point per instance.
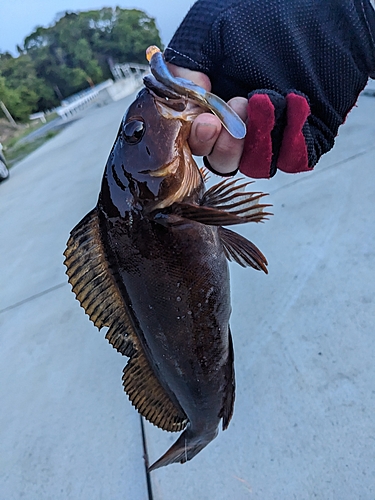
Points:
(150, 263)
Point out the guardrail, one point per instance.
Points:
(79, 102)
(129, 70)
(128, 77)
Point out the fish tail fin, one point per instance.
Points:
(189, 444)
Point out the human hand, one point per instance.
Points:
(208, 137)
(277, 123)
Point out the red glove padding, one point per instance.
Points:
(275, 137)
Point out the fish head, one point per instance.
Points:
(151, 166)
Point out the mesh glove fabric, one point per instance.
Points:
(304, 62)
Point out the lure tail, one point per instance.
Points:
(189, 444)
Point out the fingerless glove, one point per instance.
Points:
(301, 64)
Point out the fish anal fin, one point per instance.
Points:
(229, 394)
(118, 337)
(241, 250)
(149, 397)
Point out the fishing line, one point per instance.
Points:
(32, 297)
(145, 457)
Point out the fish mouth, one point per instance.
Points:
(165, 170)
(188, 113)
(165, 82)
(170, 104)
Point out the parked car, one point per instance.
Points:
(4, 172)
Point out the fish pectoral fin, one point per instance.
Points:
(229, 392)
(241, 250)
(148, 396)
(231, 197)
(168, 220)
(94, 284)
(205, 215)
(225, 204)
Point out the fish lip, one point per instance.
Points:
(171, 104)
(167, 109)
(164, 170)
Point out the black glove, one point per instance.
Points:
(325, 50)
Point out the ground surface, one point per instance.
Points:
(304, 339)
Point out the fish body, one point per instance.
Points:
(150, 263)
(177, 283)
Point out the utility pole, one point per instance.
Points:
(8, 115)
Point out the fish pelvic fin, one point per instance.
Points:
(94, 284)
(226, 203)
(239, 249)
(187, 446)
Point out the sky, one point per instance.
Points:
(18, 18)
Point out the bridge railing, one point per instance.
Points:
(128, 77)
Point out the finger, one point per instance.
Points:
(227, 151)
(195, 76)
(206, 127)
(203, 135)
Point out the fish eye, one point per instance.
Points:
(133, 131)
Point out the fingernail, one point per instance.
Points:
(205, 132)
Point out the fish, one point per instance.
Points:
(150, 263)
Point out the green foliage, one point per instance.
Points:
(29, 92)
(71, 55)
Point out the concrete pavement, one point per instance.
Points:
(304, 339)
(67, 430)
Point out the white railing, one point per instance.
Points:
(128, 77)
(79, 102)
(129, 70)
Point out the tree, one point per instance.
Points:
(20, 75)
(74, 53)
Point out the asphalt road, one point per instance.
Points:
(304, 339)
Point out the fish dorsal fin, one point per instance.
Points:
(241, 250)
(94, 284)
(224, 204)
